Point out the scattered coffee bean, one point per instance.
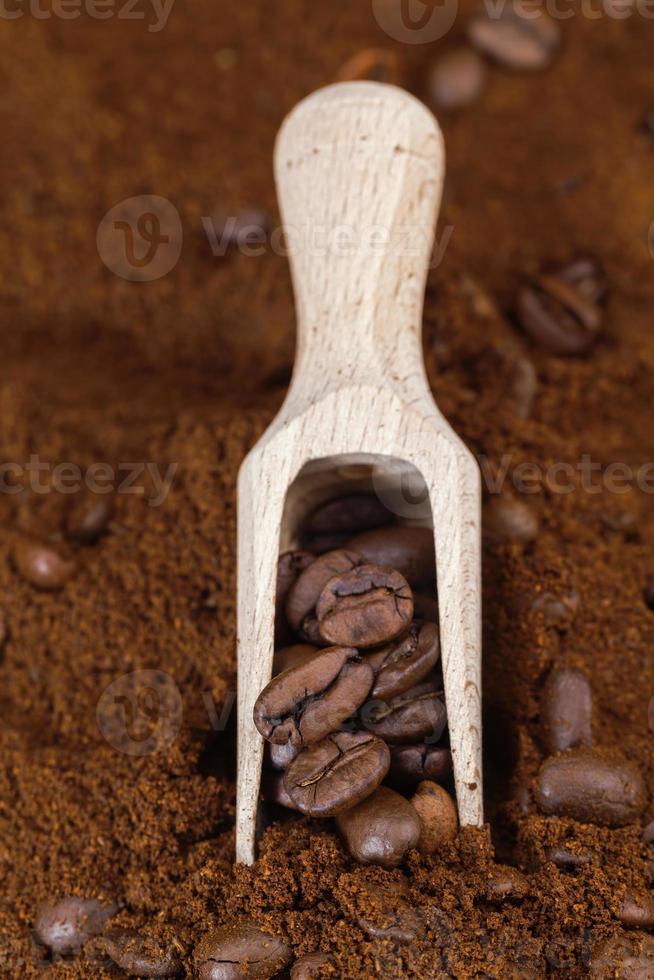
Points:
(586, 275)
(304, 704)
(337, 773)
(381, 829)
(409, 550)
(305, 592)
(290, 566)
(563, 857)
(516, 36)
(65, 926)
(402, 664)
(373, 65)
(566, 711)
(648, 592)
(626, 957)
(308, 967)
(369, 605)
(508, 520)
(89, 516)
(142, 957)
(637, 911)
(356, 512)
(293, 656)
(395, 920)
(411, 764)
(558, 316)
(556, 610)
(456, 80)
(41, 565)
(507, 882)
(240, 951)
(587, 787)
(414, 716)
(437, 811)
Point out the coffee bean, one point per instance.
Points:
(456, 80)
(293, 656)
(563, 857)
(89, 516)
(304, 704)
(411, 764)
(308, 967)
(41, 565)
(414, 716)
(519, 38)
(402, 664)
(637, 911)
(65, 926)
(320, 544)
(290, 566)
(305, 592)
(626, 957)
(372, 64)
(141, 957)
(557, 610)
(356, 512)
(587, 787)
(239, 951)
(558, 316)
(648, 592)
(369, 605)
(586, 275)
(393, 917)
(337, 773)
(566, 711)
(437, 811)
(381, 829)
(506, 882)
(409, 550)
(506, 520)
(281, 756)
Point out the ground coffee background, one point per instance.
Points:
(191, 368)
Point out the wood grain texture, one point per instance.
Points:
(359, 169)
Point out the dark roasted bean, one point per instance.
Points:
(564, 857)
(456, 80)
(584, 785)
(142, 957)
(381, 829)
(522, 39)
(281, 756)
(506, 882)
(369, 605)
(566, 710)
(508, 520)
(354, 513)
(557, 610)
(89, 516)
(558, 316)
(637, 910)
(290, 566)
(411, 764)
(305, 703)
(437, 811)
(239, 951)
(417, 715)
(409, 550)
(625, 957)
(586, 275)
(293, 656)
(41, 565)
(391, 914)
(337, 773)
(65, 926)
(305, 592)
(402, 664)
(308, 967)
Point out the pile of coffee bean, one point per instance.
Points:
(357, 693)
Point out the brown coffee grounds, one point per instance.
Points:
(188, 370)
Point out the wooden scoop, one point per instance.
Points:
(359, 170)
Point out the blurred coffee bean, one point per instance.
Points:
(586, 275)
(417, 715)
(409, 550)
(356, 512)
(648, 592)
(337, 773)
(320, 544)
(372, 65)
(381, 829)
(557, 610)
(293, 656)
(290, 566)
(238, 951)
(89, 516)
(308, 967)
(41, 565)
(369, 605)
(516, 36)
(411, 764)
(456, 80)
(625, 957)
(304, 704)
(563, 857)
(587, 787)
(437, 812)
(637, 910)
(507, 882)
(402, 664)
(392, 917)
(141, 957)
(566, 711)
(558, 316)
(507, 520)
(305, 592)
(66, 925)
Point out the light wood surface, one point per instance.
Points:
(359, 169)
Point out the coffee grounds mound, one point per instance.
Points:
(187, 372)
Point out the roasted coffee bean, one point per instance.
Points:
(414, 716)
(373, 65)
(142, 957)
(456, 80)
(437, 811)
(411, 764)
(506, 882)
(506, 520)
(557, 610)
(320, 544)
(293, 656)
(89, 516)
(637, 910)
(305, 703)
(586, 275)
(392, 916)
(337, 773)
(425, 607)
(369, 605)
(308, 967)
(584, 785)
(41, 565)
(381, 829)
(520, 38)
(281, 756)
(274, 790)
(402, 664)
(65, 926)
(624, 957)
(409, 550)
(239, 951)
(305, 592)
(290, 566)
(564, 857)
(648, 592)
(356, 512)
(558, 316)
(566, 711)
